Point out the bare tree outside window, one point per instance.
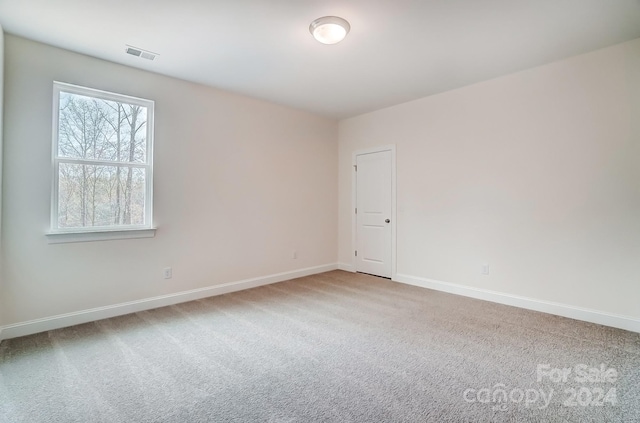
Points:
(102, 160)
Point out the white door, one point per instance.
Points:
(373, 213)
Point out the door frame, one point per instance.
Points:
(355, 154)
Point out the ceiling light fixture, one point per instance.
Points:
(329, 29)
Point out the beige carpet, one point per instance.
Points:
(335, 347)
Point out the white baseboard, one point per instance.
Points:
(347, 267)
(578, 313)
(84, 316)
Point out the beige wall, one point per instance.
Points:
(2, 312)
(239, 185)
(536, 173)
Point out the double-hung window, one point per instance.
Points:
(102, 165)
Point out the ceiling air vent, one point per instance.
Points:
(135, 51)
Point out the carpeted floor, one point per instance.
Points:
(334, 347)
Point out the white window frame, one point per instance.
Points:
(96, 233)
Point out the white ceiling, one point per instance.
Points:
(397, 50)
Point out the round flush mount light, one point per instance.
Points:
(329, 29)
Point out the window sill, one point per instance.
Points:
(65, 237)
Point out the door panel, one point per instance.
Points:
(373, 204)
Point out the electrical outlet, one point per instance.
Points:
(167, 272)
(485, 269)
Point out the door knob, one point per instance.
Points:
(387, 221)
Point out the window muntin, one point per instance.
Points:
(102, 161)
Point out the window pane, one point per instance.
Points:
(93, 128)
(100, 196)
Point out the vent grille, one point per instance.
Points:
(149, 56)
(138, 52)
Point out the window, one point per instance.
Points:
(102, 164)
